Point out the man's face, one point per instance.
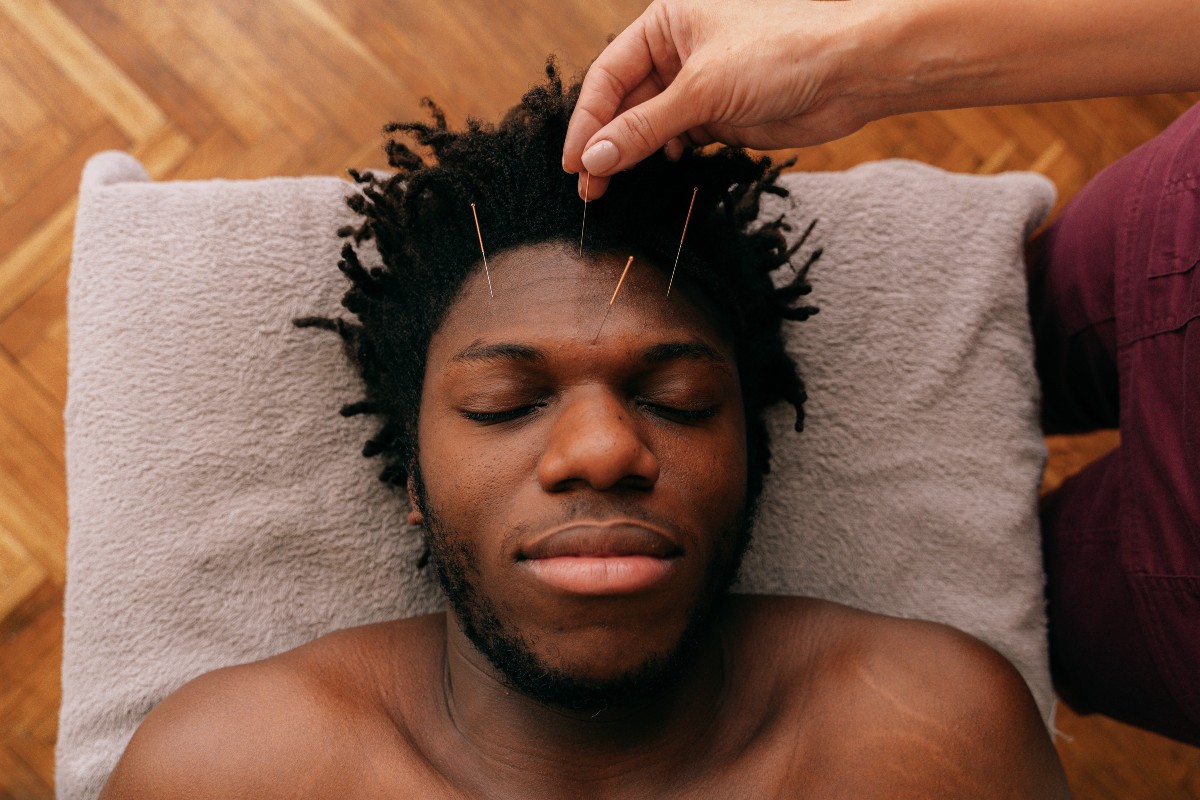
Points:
(584, 496)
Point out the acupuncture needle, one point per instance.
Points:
(614, 298)
(587, 184)
(482, 252)
(680, 250)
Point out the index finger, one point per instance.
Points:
(623, 65)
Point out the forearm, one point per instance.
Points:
(927, 54)
(794, 73)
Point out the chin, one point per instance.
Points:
(604, 652)
(593, 653)
(596, 671)
(587, 667)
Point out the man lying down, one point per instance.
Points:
(586, 486)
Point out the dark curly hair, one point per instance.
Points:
(420, 220)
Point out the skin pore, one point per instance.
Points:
(619, 463)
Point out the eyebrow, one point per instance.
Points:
(500, 352)
(653, 355)
(690, 351)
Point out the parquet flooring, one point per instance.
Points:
(235, 89)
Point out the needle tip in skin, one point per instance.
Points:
(608, 311)
(587, 185)
(678, 252)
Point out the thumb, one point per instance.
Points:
(640, 131)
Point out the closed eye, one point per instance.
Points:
(507, 415)
(687, 415)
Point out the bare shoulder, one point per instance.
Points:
(256, 730)
(953, 716)
(958, 716)
(219, 735)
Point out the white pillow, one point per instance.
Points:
(220, 510)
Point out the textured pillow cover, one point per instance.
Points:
(220, 511)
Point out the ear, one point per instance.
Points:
(415, 517)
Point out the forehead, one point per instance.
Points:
(547, 295)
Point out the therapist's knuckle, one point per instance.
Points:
(699, 88)
(609, 85)
(640, 129)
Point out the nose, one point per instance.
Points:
(596, 442)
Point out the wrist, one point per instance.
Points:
(852, 40)
(921, 56)
(887, 58)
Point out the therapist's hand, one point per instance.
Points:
(790, 73)
(751, 73)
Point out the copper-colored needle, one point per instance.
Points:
(680, 250)
(482, 251)
(587, 185)
(614, 297)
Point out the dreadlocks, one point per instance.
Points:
(419, 220)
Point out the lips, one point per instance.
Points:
(601, 559)
(621, 539)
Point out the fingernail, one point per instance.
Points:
(601, 157)
(564, 163)
(673, 150)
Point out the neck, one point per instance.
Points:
(540, 743)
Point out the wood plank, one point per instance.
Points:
(55, 185)
(30, 640)
(450, 51)
(1069, 454)
(1106, 759)
(162, 151)
(347, 94)
(1046, 159)
(27, 464)
(368, 156)
(253, 68)
(46, 366)
(275, 154)
(209, 156)
(35, 259)
(23, 114)
(330, 154)
(271, 154)
(29, 323)
(19, 780)
(982, 132)
(30, 722)
(188, 109)
(30, 408)
(204, 71)
(33, 362)
(20, 573)
(324, 25)
(1000, 159)
(62, 100)
(1121, 130)
(33, 507)
(23, 162)
(1025, 123)
(30, 662)
(78, 57)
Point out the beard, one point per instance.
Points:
(456, 564)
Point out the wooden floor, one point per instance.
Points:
(236, 89)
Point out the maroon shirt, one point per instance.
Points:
(1115, 303)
